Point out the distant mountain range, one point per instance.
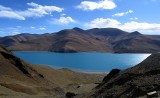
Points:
(79, 40)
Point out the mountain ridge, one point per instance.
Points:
(79, 40)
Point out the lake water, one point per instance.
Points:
(95, 62)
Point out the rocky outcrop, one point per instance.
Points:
(70, 95)
(133, 82)
(112, 74)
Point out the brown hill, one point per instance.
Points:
(75, 41)
(19, 79)
(133, 82)
(20, 76)
(78, 40)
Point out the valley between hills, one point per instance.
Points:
(79, 49)
(19, 79)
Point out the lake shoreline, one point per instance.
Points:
(75, 70)
(90, 62)
(90, 52)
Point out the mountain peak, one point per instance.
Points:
(107, 31)
(78, 29)
(136, 33)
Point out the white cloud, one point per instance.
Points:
(133, 18)
(143, 27)
(4, 8)
(122, 13)
(63, 20)
(35, 10)
(63, 14)
(102, 4)
(102, 22)
(39, 10)
(10, 31)
(9, 13)
(140, 26)
(15, 33)
(5, 31)
(42, 28)
(32, 27)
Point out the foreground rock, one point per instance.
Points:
(137, 81)
(20, 79)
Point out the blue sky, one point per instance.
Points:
(47, 16)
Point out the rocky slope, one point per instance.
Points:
(78, 40)
(20, 79)
(133, 82)
(20, 76)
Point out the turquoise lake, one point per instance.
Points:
(85, 61)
